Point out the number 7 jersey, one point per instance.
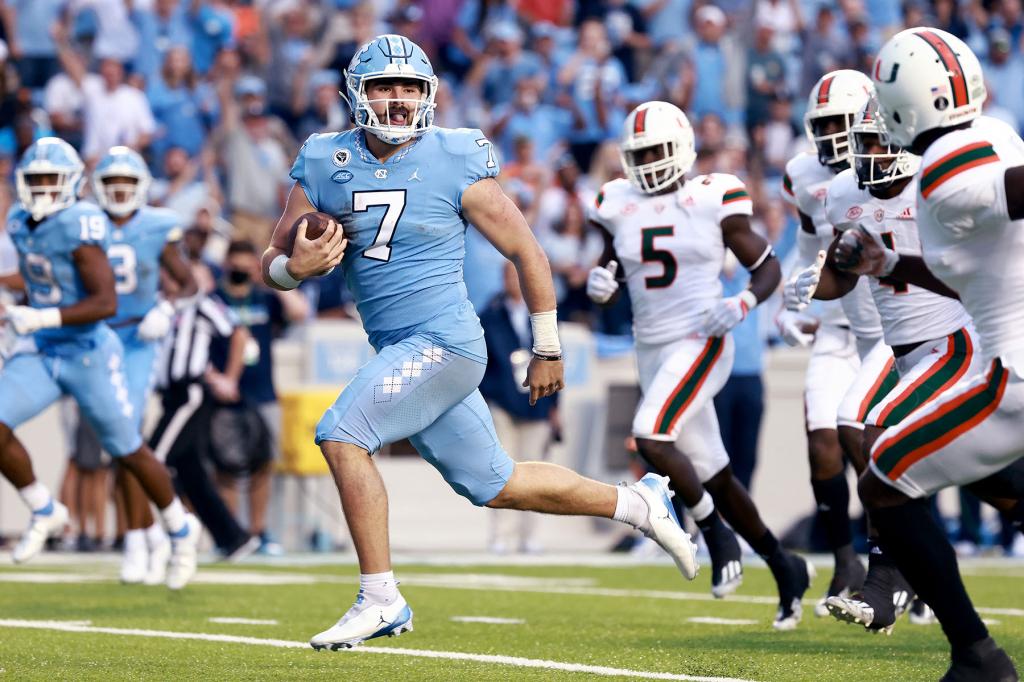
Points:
(671, 249)
(403, 219)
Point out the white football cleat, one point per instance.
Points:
(134, 565)
(156, 567)
(365, 621)
(663, 526)
(46, 523)
(851, 610)
(184, 554)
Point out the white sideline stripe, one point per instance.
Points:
(515, 661)
(488, 619)
(242, 621)
(711, 620)
(453, 581)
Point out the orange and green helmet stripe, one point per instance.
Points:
(957, 80)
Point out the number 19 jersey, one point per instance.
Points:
(403, 219)
(671, 249)
(46, 260)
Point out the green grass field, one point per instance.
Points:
(56, 617)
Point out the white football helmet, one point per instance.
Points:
(879, 169)
(926, 78)
(656, 125)
(836, 98)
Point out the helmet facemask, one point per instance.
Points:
(413, 117)
(877, 160)
(653, 176)
(43, 192)
(831, 136)
(120, 194)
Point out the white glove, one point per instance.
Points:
(157, 322)
(791, 328)
(26, 319)
(728, 313)
(601, 283)
(806, 283)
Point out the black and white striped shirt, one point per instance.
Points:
(186, 350)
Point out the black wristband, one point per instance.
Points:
(552, 358)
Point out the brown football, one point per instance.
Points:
(316, 225)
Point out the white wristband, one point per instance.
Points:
(50, 318)
(891, 258)
(279, 273)
(749, 299)
(545, 333)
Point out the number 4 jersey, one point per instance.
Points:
(46, 260)
(671, 249)
(403, 219)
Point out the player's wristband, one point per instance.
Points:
(748, 300)
(545, 334)
(769, 252)
(50, 318)
(891, 259)
(279, 273)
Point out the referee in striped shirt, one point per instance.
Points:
(188, 387)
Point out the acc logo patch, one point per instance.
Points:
(879, 215)
(341, 157)
(854, 212)
(342, 176)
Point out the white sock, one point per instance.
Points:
(135, 541)
(703, 509)
(36, 496)
(379, 588)
(631, 508)
(174, 517)
(155, 535)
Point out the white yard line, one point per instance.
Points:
(491, 620)
(486, 582)
(514, 661)
(242, 621)
(711, 620)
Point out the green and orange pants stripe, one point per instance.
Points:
(941, 376)
(938, 427)
(686, 390)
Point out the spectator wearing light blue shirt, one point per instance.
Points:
(716, 61)
(30, 41)
(507, 63)
(526, 116)
(160, 29)
(183, 107)
(1004, 73)
(213, 27)
(667, 20)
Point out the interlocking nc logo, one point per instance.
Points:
(381, 173)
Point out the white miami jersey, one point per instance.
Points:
(671, 250)
(805, 185)
(909, 314)
(968, 239)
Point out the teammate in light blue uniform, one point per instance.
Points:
(404, 193)
(61, 244)
(142, 240)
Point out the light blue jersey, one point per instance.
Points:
(45, 257)
(134, 251)
(403, 219)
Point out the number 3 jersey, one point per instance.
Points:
(134, 251)
(46, 260)
(909, 313)
(671, 249)
(403, 219)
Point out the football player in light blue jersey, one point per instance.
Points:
(143, 240)
(402, 193)
(61, 244)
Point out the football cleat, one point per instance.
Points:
(883, 599)
(791, 592)
(156, 568)
(663, 524)
(365, 621)
(921, 613)
(726, 560)
(854, 610)
(847, 579)
(46, 523)
(982, 660)
(134, 565)
(184, 553)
